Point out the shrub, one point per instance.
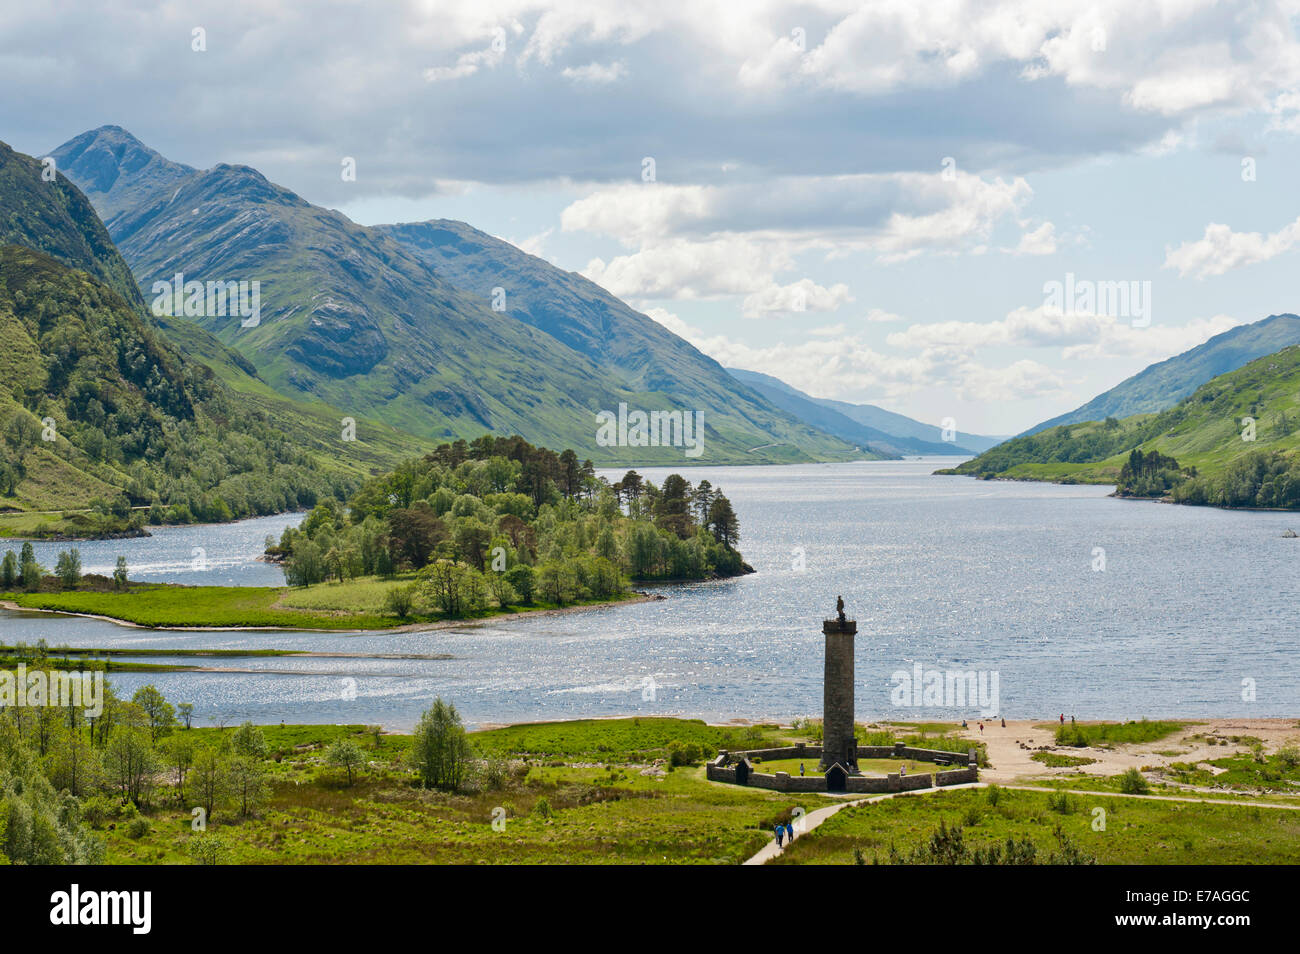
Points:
(206, 849)
(400, 600)
(684, 753)
(138, 828)
(1133, 782)
(1060, 802)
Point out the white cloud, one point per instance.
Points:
(1221, 250)
(1168, 58)
(801, 296)
(467, 64)
(597, 74)
(1079, 336)
(703, 241)
(846, 366)
(683, 269)
(1041, 241)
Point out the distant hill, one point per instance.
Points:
(1166, 383)
(396, 322)
(104, 411)
(1203, 450)
(890, 434)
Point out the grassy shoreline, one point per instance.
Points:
(269, 608)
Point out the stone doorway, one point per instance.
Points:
(836, 778)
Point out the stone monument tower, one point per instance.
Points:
(839, 744)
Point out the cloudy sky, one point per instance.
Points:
(868, 200)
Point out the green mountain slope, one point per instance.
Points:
(355, 318)
(853, 422)
(1202, 450)
(104, 411)
(1166, 383)
(625, 343)
(54, 217)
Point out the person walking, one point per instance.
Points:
(789, 833)
(780, 834)
(801, 769)
(1004, 723)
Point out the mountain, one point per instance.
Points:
(863, 424)
(1166, 383)
(905, 427)
(1234, 441)
(102, 411)
(357, 318)
(54, 217)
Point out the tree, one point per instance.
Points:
(440, 750)
(119, 574)
(415, 533)
(520, 578)
(502, 592)
(73, 764)
(703, 500)
(130, 762)
(672, 508)
(723, 522)
(68, 568)
(249, 740)
(306, 565)
(185, 711)
(456, 590)
(32, 573)
(179, 750)
(557, 582)
(347, 755)
(472, 540)
(9, 573)
(246, 782)
(207, 778)
(159, 711)
(400, 600)
(631, 486)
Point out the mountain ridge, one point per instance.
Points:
(1164, 383)
(861, 423)
(353, 317)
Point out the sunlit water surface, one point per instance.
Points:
(945, 572)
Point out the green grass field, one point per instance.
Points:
(599, 791)
(556, 809)
(356, 604)
(1137, 831)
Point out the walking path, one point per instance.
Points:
(815, 818)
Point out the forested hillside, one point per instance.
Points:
(1234, 442)
(499, 522)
